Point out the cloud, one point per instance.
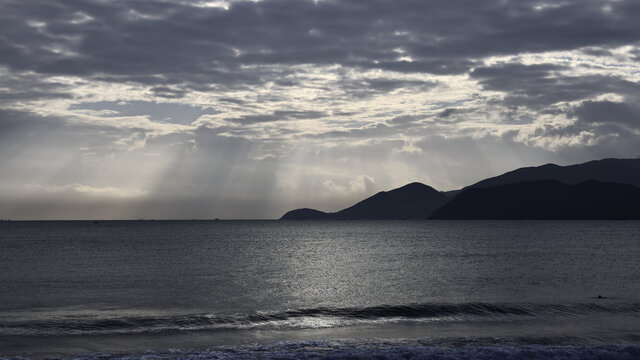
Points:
(278, 115)
(168, 92)
(596, 51)
(250, 108)
(608, 112)
(333, 187)
(192, 46)
(600, 126)
(158, 112)
(362, 183)
(542, 85)
(446, 112)
(367, 87)
(86, 190)
(29, 86)
(406, 119)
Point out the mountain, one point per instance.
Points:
(626, 171)
(306, 214)
(545, 199)
(591, 190)
(412, 201)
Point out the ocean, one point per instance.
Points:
(321, 290)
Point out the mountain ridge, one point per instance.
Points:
(419, 201)
(626, 171)
(412, 201)
(545, 200)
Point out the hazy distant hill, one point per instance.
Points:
(545, 199)
(412, 201)
(626, 171)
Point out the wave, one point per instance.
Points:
(312, 318)
(373, 349)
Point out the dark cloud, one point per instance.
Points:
(406, 119)
(446, 112)
(29, 86)
(362, 88)
(168, 92)
(595, 51)
(538, 86)
(265, 65)
(608, 112)
(601, 129)
(191, 46)
(437, 66)
(18, 125)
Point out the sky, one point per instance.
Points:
(176, 109)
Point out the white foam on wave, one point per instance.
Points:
(339, 349)
(111, 322)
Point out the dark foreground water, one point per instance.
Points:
(268, 289)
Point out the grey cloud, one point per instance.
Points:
(367, 152)
(466, 159)
(406, 119)
(168, 92)
(386, 85)
(133, 41)
(636, 53)
(541, 85)
(32, 145)
(514, 74)
(159, 112)
(602, 112)
(232, 101)
(172, 48)
(595, 51)
(362, 88)
(296, 114)
(19, 125)
(29, 86)
(446, 112)
(277, 116)
(602, 129)
(442, 66)
(372, 131)
(537, 87)
(205, 174)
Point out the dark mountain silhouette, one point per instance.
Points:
(412, 201)
(626, 171)
(591, 190)
(545, 199)
(306, 214)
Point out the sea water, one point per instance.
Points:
(326, 289)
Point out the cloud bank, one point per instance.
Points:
(246, 109)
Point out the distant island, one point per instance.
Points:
(601, 189)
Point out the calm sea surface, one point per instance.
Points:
(270, 289)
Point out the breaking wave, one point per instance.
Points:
(371, 349)
(313, 318)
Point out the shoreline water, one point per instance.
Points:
(427, 328)
(217, 289)
(375, 348)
